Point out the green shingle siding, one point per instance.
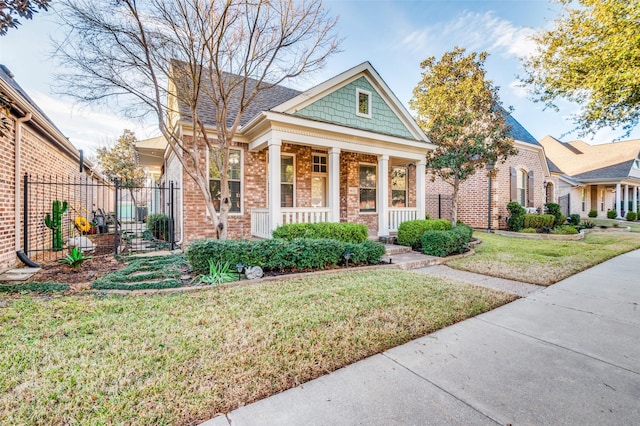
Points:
(339, 107)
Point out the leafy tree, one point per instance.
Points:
(120, 161)
(461, 113)
(22, 8)
(591, 56)
(25, 9)
(163, 53)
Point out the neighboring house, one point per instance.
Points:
(32, 145)
(343, 151)
(524, 178)
(596, 177)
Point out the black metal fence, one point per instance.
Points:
(98, 216)
(565, 204)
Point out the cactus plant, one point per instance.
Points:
(53, 221)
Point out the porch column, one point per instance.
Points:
(275, 215)
(383, 196)
(618, 196)
(421, 188)
(634, 208)
(334, 184)
(626, 199)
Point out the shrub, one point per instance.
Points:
(516, 216)
(410, 232)
(587, 224)
(554, 209)
(279, 254)
(612, 214)
(593, 213)
(158, 225)
(444, 243)
(538, 220)
(565, 230)
(528, 230)
(574, 219)
(560, 220)
(631, 216)
(346, 232)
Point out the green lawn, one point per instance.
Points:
(181, 358)
(634, 226)
(543, 262)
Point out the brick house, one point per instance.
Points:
(32, 145)
(596, 177)
(345, 150)
(525, 178)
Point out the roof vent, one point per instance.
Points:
(6, 71)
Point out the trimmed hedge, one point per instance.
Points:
(343, 231)
(281, 255)
(410, 232)
(593, 213)
(516, 216)
(444, 243)
(538, 220)
(554, 209)
(612, 214)
(631, 216)
(565, 230)
(574, 219)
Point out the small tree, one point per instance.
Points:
(461, 113)
(591, 56)
(119, 161)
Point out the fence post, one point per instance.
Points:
(25, 215)
(115, 216)
(172, 239)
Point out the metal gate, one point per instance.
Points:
(98, 216)
(565, 204)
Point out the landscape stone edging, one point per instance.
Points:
(560, 237)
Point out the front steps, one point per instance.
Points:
(406, 259)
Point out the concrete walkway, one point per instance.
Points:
(569, 354)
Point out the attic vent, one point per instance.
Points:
(6, 71)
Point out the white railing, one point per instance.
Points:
(261, 223)
(397, 215)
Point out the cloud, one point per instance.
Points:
(518, 89)
(86, 128)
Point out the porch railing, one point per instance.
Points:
(397, 215)
(260, 218)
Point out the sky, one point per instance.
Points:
(394, 36)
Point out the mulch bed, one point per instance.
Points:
(81, 278)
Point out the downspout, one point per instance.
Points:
(18, 141)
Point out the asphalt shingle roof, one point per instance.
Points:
(518, 132)
(615, 171)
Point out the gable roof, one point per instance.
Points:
(517, 131)
(614, 171)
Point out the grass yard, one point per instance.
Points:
(543, 262)
(181, 358)
(633, 226)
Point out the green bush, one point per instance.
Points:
(528, 230)
(344, 231)
(515, 220)
(612, 214)
(631, 216)
(554, 209)
(538, 220)
(281, 255)
(158, 225)
(574, 219)
(565, 230)
(444, 243)
(587, 224)
(593, 213)
(410, 232)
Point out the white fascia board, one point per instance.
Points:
(187, 130)
(364, 69)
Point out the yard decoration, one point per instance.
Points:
(53, 221)
(82, 224)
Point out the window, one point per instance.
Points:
(363, 103)
(399, 186)
(583, 197)
(287, 174)
(602, 200)
(319, 181)
(522, 187)
(234, 176)
(368, 181)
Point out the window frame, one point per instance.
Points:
(240, 181)
(360, 91)
(323, 174)
(368, 189)
(403, 190)
(583, 198)
(292, 183)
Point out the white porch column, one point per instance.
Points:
(383, 195)
(421, 188)
(618, 196)
(626, 198)
(635, 199)
(275, 215)
(334, 184)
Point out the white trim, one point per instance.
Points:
(369, 102)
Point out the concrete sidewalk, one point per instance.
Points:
(569, 354)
